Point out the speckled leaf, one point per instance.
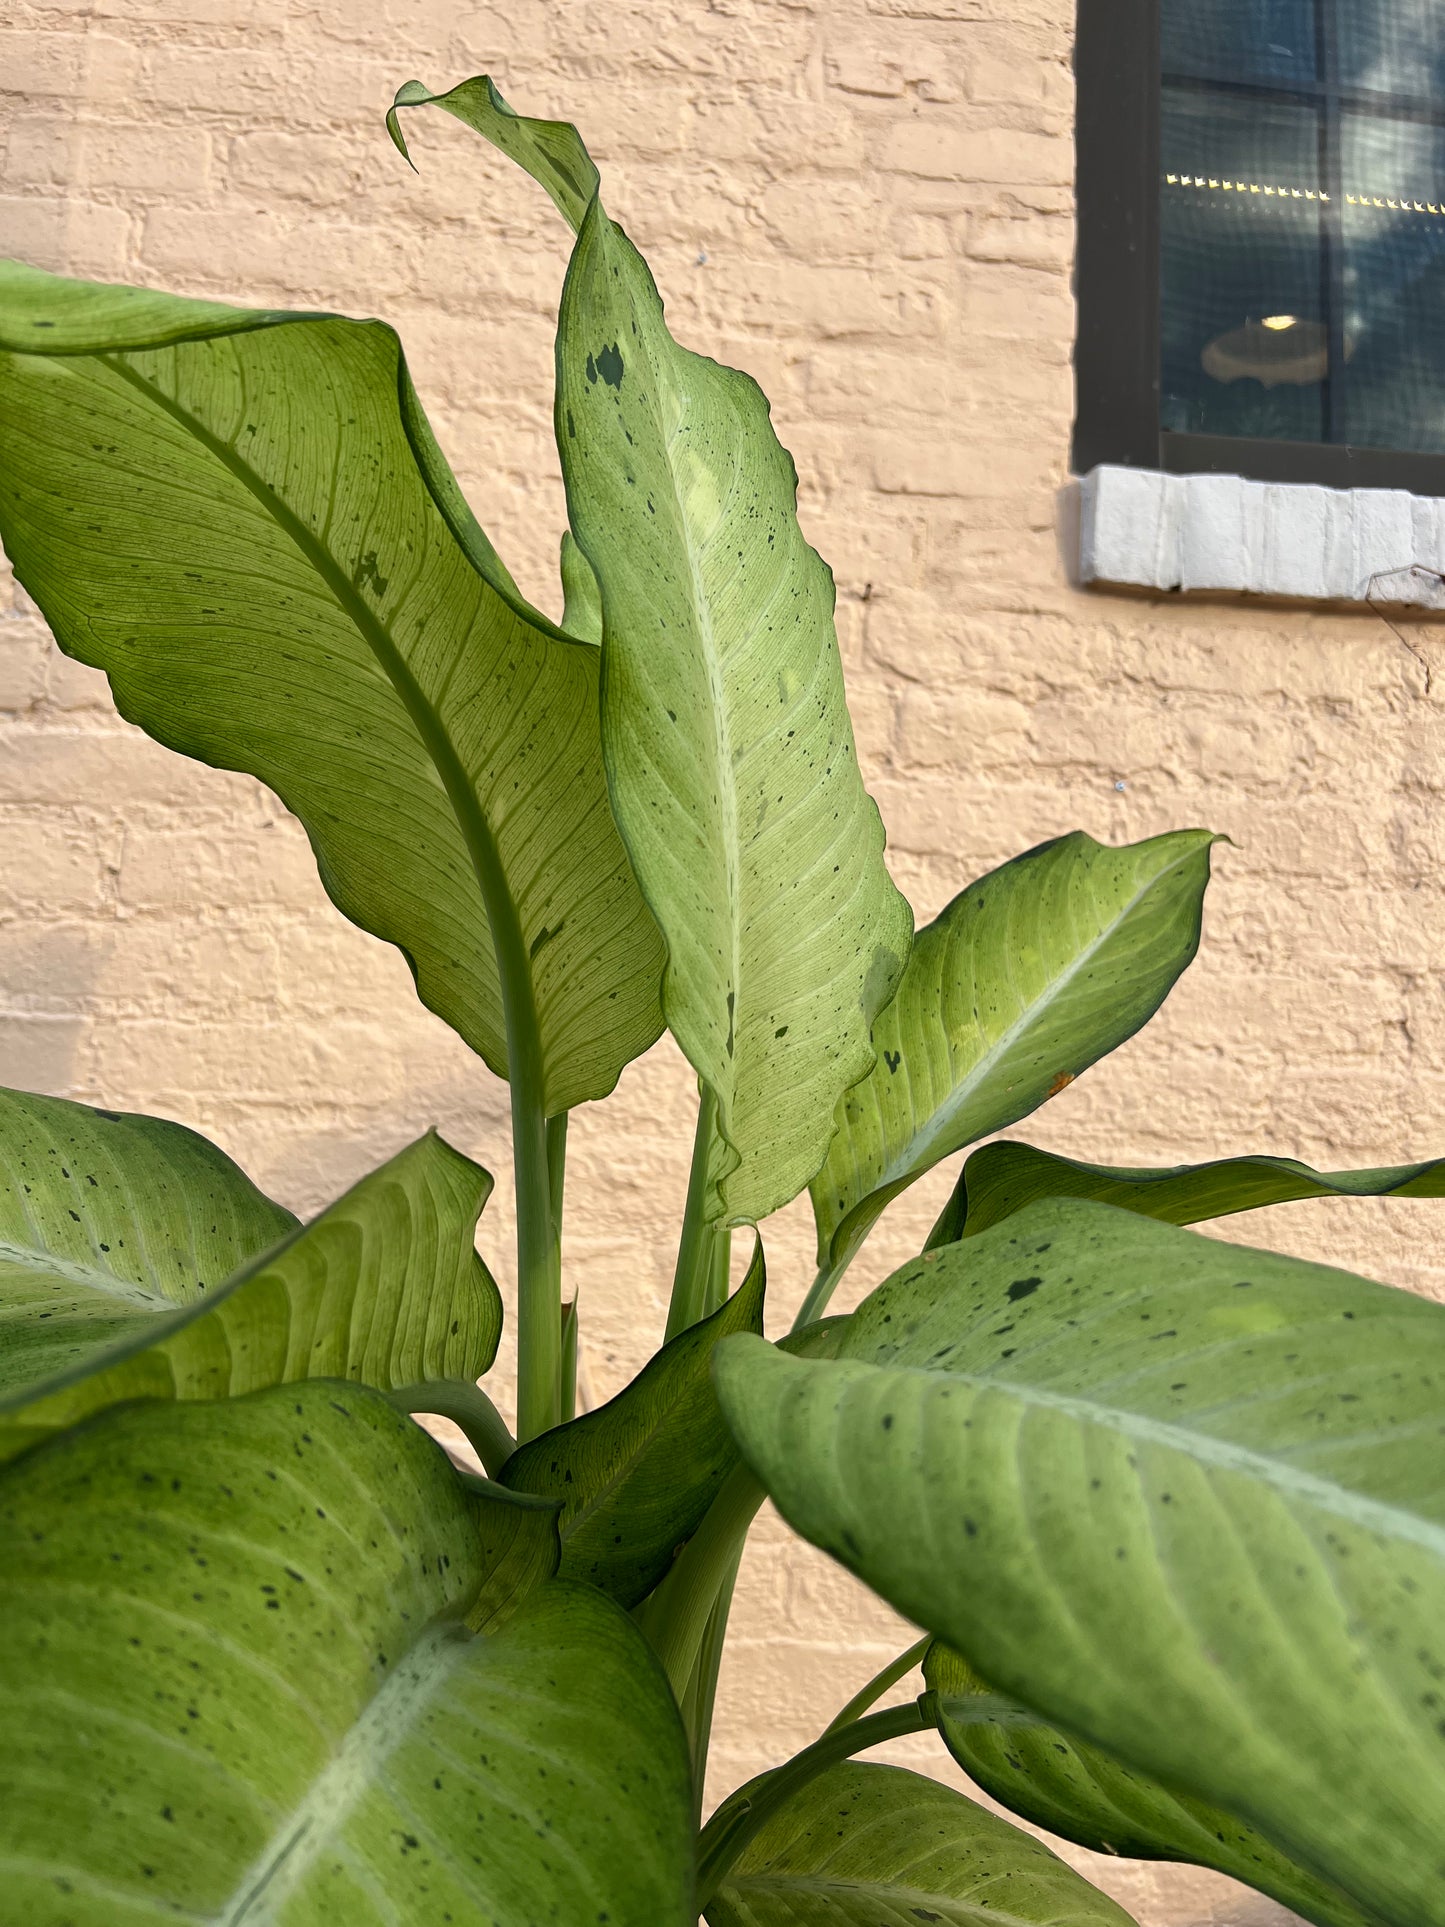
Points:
(1078, 1792)
(236, 1685)
(244, 519)
(107, 1223)
(1002, 1178)
(730, 755)
(385, 1287)
(875, 1846)
(635, 1477)
(1186, 1500)
(1029, 976)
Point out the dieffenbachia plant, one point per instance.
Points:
(1169, 1513)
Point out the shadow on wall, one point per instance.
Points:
(47, 979)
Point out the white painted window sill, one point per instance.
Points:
(1140, 528)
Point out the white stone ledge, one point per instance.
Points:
(1143, 529)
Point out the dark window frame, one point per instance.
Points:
(1117, 283)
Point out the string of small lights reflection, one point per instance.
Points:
(1275, 192)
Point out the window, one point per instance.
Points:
(1261, 269)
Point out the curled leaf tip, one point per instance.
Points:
(398, 139)
(411, 93)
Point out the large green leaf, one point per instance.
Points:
(243, 518)
(1002, 1178)
(730, 755)
(636, 1476)
(867, 1846)
(1186, 1500)
(1078, 1792)
(385, 1287)
(236, 1685)
(1028, 977)
(108, 1223)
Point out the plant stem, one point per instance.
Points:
(719, 1271)
(695, 1247)
(744, 1813)
(556, 1178)
(820, 1291)
(701, 1692)
(879, 1685)
(675, 1618)
(557, 1166)
(468, 1406)
(539, 1267)
(569, 1362)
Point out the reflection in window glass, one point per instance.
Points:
(1392, 46)
(1394, 283)
(1244, 336)
(1256, 39)
(1302, 230)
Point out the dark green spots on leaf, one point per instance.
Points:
(892, 1058)
(1023, 1288)
(732, 1000)
(609, 366)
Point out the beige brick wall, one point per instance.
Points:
(867, 203)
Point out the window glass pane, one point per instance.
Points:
(1394, 277)
(1244, 39)
(1392, 46)
(1245, 345)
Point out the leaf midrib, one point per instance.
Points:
(722, 740)
(524, 1044)
(921, 1142)
(383, 1724)
(108, 1283)
(167, 1322)
(1358, 1508)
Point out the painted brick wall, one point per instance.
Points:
(866, 203)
